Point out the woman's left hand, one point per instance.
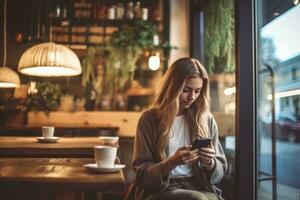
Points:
(207, 157)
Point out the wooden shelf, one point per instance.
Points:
(87, 23)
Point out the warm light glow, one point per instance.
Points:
(154, 62)
(32, 88)
(230, 91)
(49, 71)
(229, 107)
(156, 40)
(8, 85)
(284, 94)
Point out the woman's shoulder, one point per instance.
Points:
(147, 122)
(212, 125)
(210, 117)
(149, 115)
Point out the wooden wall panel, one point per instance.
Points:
(126, 121)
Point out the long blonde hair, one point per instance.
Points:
(166, 103)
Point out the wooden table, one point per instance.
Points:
(53, 178)
(60, 130)
(65, 147)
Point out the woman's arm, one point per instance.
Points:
(148, 169)
(220, 165)
(183, 155)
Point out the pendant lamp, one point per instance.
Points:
(49, 60)
(8, 77)
(154, 60)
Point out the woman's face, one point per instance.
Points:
(190, 93)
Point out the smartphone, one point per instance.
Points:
(199, 143)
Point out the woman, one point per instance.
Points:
(165, 165)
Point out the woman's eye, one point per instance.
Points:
(188, 90)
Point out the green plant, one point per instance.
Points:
(126, 46)
(93, 73)
(109, 67)
(219, 36)
(46, 99)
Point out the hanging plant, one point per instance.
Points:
(93, 66)
(219, 36)
(119, 56)
(126, 46)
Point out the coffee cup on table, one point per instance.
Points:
(47, 131)
(105, 156)
(110, 140)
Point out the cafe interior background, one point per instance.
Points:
(124, 48)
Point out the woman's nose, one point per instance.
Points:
(192, 96)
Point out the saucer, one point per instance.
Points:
(47, 140)
(94, 168)
(109, 139)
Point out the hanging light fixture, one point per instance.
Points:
(8, 77)
(49, 60)
(154, 60)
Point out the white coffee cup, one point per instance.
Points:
(48, 131)
(105, 156)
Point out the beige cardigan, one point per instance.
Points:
(147, 164)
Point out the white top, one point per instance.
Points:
(179, 136)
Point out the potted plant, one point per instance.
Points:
(46, 99)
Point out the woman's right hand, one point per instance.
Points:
(184, 155)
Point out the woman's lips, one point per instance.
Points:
(187, 103)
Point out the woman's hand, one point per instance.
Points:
(184, 155)
(207, 157)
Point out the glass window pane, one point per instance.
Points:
(278, 97)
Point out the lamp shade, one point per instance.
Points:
(8, 78)
(49, 59)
